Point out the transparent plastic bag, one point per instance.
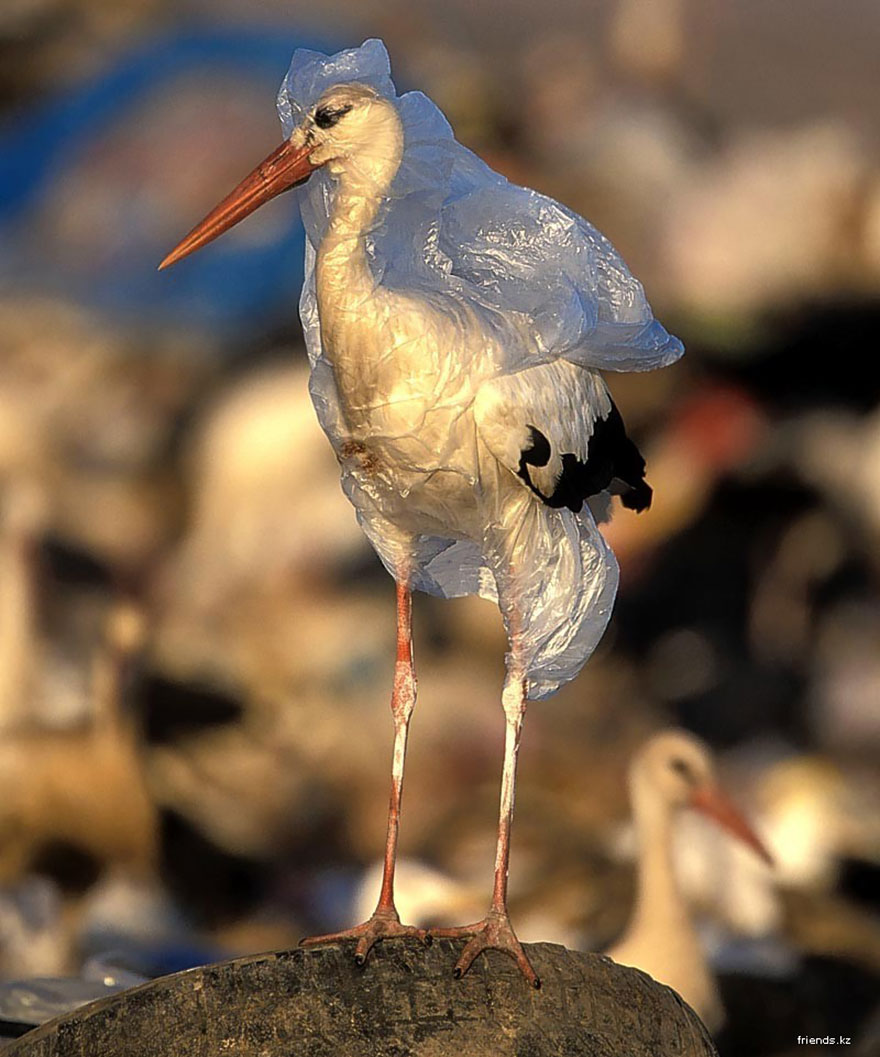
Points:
(533, 280)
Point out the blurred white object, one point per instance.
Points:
(724, 878)
(266, 501)
(673, 771)
(423, 895)
(455, 325)
(767, 221)
(38, 946)
(839, 452)
(124, 911)
(34, 938)
(815, 813)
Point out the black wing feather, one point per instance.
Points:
(613, 463)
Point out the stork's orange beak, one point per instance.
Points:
(284, 168)
(713, 802)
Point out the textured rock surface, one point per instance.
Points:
(318, 1003)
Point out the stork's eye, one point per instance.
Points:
(327, 116)
(682, 768)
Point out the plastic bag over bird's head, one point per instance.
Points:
(449, 219)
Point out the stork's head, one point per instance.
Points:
(675, 770)
(352, 130)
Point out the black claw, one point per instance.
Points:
(428, 940)
(537, 984)
(360, 959)
(456, 972)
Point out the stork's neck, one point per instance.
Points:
(343, 267)
(344, 276)
(659, 901)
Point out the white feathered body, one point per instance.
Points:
(446, 322)
(429, 430)
(426, 405)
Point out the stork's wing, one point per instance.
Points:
(530, 253)
(556, 427)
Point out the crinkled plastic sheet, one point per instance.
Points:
(452, 224)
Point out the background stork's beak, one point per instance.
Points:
(712, 801)
(284, 168)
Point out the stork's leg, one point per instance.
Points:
(495, 930)
(385, 920)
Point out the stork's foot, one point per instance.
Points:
(384, 924)
(494, 932)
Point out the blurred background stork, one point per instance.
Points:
(190, 621)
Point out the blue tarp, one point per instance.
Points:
(229, 287)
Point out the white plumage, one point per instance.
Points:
(455, 324)
(494, 307)
(671, 772)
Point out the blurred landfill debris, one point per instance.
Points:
(196, 642)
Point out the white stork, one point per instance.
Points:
(455, 324)
(671, 772)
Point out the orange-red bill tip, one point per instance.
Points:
(285, 167)
(713, 802)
